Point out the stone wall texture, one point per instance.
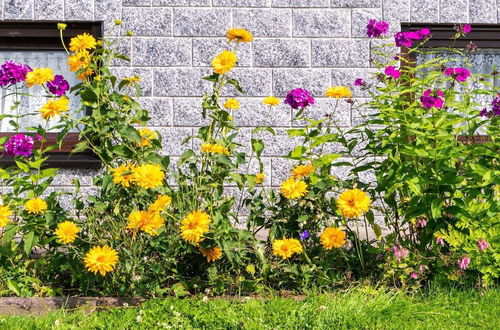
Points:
(298, 43)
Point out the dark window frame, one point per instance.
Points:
(33, 35)
(482, 35)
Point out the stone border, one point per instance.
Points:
(37, 306)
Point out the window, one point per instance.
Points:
(486, 59)
(38, 44)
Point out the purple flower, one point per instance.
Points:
(19, 145)
(304, 235)
(463, 262)
(393, 72)
(460, 74)
(414, 275)
(407, 38)
(467, 28)
(299, 98)
(495, 108)
(432, 99)
(12, 73)
(463, 29)
(58, 86)
(439, 240)
(399, 252)
(359, 82)
(482, 244)
(376, 29)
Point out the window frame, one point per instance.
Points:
(36, 35)
(482, 35)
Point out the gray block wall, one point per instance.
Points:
(298, 43)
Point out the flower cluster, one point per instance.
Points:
(338, 92)
(432, 99)
(299, 98)
(81, 45)
(59, 86)
(495, 108)
(213, 148)
(19, 145)
(392, 72)
(460, 74)
(147, 221)
(145, 175)
(375, 29)
(407, 38)
(12, 73)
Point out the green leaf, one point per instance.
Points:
(436, 207)
(236, 85)
(80, 146)
(131, 134)
(257, 146)
(14, 287)
(377, 230)
(30, 241)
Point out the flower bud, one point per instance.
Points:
(61, 26)
(118, 22)
(130, 33)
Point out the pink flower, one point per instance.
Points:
(460, 74)
(376, 29)
(482, 244)
(467, 28)
(407, 38)
(463, 262)
(439, 240)
(391, 71)
(359, 82)
(414, 275)
(432, 99)
(422, 223)
(399, 252)
(299, 98)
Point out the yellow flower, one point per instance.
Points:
(82, 76)
(35, 206)
(148, 175)
(214, 149)
(148, 222)
(232, 104)
(122, 175)
(146, 136)
(271, 100)
(39, 76)
(5, 213)
(293, 189)
(54, 107)
(78, 60)
(259, 178)
(224, 62)
(194, 225)
(67, 231)
(61, 26)
(302, 171)
(338, 92)
(240, 35)
(133, 79)
(101, 259)
(161, 203)
(82, 42)
(353, 203)
(286, 247)
(211, 254)
(332, 238)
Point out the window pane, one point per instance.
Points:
(56, 60)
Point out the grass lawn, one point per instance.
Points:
(358, 308)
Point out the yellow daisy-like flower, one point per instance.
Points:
(148, 222)
(39, 76)
(233, 104)
(287, 247)
(5, 213)
(224, 62)
(122, 175)
(54, 107)
(194, 226)
(211, 254)
(239, 35)
(133, 79)
(353, 203)
(332, 238)
(338, 92)
(35, 206)
(101, 259)
(85, 74)
(146, 136)
(82, 42)
(271, 101)
(78, 60)
(214, 149)
(259, 178)
(302, 171)
(148, 175)
(293, 189)
(66, 232)
(161, 203)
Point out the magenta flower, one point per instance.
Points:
(393, 72)
(463, 262)
(414, 275)
(467, 28)
(495, 108)
(58, 86)
(482, 244)
(407, 38)
(359, 82)
(12, 73)
(299, 98)
(460, 74)
(375, 29)
(399, 252)
(432, 99)
(463, 28)
(304, 235)
(19, 145)
(439, 240)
